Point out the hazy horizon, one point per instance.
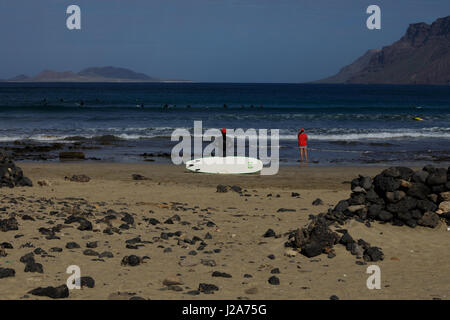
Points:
(288, 41)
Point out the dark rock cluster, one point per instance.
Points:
(30, 264)
(7, 272)
(55, 219)
(222, 189)
(9, 224)
(11, 175)
(87, 281)
(137, 176)
(51, 292)
(317, 238)
(397, 195)
(84, 224)
(78, 178)
(207, 288)
(131, 260)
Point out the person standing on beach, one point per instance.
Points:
(302, 144)
(224, 141)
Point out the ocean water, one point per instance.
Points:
(346, 124)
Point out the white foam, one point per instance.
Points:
(337, 134)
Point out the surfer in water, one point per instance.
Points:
(224, 142)
(302, 144)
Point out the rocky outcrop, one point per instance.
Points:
(421, 56)
(398, 195)
(11, 175)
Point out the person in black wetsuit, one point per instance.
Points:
(224, 142)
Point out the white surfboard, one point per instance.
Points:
(225, 165)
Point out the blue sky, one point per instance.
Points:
(203, 40)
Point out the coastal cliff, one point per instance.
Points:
(421, 56)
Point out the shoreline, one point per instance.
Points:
(113, 149)
(289, 176)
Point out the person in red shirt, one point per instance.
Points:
(302, 144)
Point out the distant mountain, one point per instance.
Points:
(50, 75)
(114, 73)
(20, 77)
(421, 56)
(92, 74)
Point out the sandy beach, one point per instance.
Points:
(208, 232)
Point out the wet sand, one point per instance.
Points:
(416, 260)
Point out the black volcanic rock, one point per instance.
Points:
(437, 178)
(273, 280)
(341, 206)
(429, 219)
(346, 239)
(32, 266)
(7, 272)
(269, 233)
(221, 274)
(72, 245)
(11, 175)
(373, 254)
(312, 249)
(207, 288)
(421, 56)
(317, 202)
(418, 190)
(131, 260)
(87, 282)
(385, 216)
(221, 188)
(51, 292)
(315, 238)
(9, 224)
(420, 176)
(398, 195)
(84, 224)
(384, 183)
